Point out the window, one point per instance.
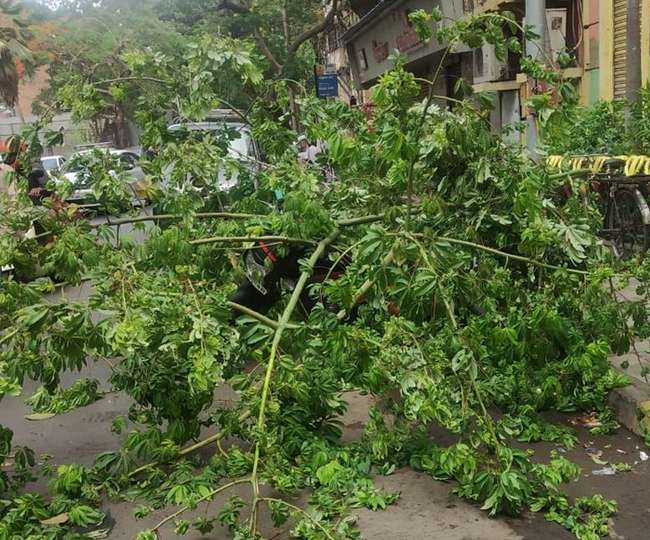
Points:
(50, 164)
(363, 59)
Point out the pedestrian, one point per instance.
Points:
(35, 174)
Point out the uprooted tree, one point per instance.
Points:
(476, 279)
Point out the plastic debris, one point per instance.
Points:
(606, 471)
(595, 455)
(643, 456)
(586, 420)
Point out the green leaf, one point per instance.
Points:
(82, 515)
(328, 472)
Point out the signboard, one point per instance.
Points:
(328, 85)
(409, 41)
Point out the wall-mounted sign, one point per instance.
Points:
(327, 85)
(409, 41)
(380, 50)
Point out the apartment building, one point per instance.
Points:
(610, 40)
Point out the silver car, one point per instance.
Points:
(242, 147)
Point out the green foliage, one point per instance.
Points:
(607, 127)
(481, 289)
(83, 392)
(587, 519)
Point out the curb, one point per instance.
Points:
(631, 405)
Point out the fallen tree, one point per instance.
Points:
(478, 290)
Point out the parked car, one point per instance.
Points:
(52, 164)
(82, 194)
(241, 145)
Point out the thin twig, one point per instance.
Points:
(191, 449)
(520, 258)
(234, 239)
(261, 318)
(300, 510)
(200, 500)
(173, 217)
(367, 285)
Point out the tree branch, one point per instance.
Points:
(235, 239)
(308, 34)
(127, 79)
(261, 42)
(206, 497)
(242, 9)
(258, 316)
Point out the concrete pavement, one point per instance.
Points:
(427, 509)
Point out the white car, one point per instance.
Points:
(52, 164)
(83, 192)
(242, 148)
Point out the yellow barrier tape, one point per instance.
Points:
(634, 165)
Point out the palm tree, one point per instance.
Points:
(15, 56)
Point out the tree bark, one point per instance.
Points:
(285, 25)
(315, 30)
(261, 42)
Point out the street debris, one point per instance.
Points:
(586, 420)
(605, 471)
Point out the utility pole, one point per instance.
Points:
(633, 56)
(535, 49)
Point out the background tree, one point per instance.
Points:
(15, 57)
(88, 44)
(281, 30)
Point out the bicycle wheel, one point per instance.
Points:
(627, 223)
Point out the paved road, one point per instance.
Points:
(427, 510)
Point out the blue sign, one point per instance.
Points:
(328, 85)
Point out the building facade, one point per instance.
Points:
(610, 40)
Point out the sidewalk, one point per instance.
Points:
(632, 403)
(426, 510)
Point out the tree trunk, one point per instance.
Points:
(121, 138)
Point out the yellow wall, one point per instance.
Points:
(606, 8)
(645, 40)
(606, 50)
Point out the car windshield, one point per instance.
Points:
(50, 163)
(238, 147)
(73, 166)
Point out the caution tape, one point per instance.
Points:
(634, 165)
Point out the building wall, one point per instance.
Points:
(73, 133)
(602, 55)
(371, 48)
(590, 88)
(610, 36)
(29, 89)
(645, 41)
